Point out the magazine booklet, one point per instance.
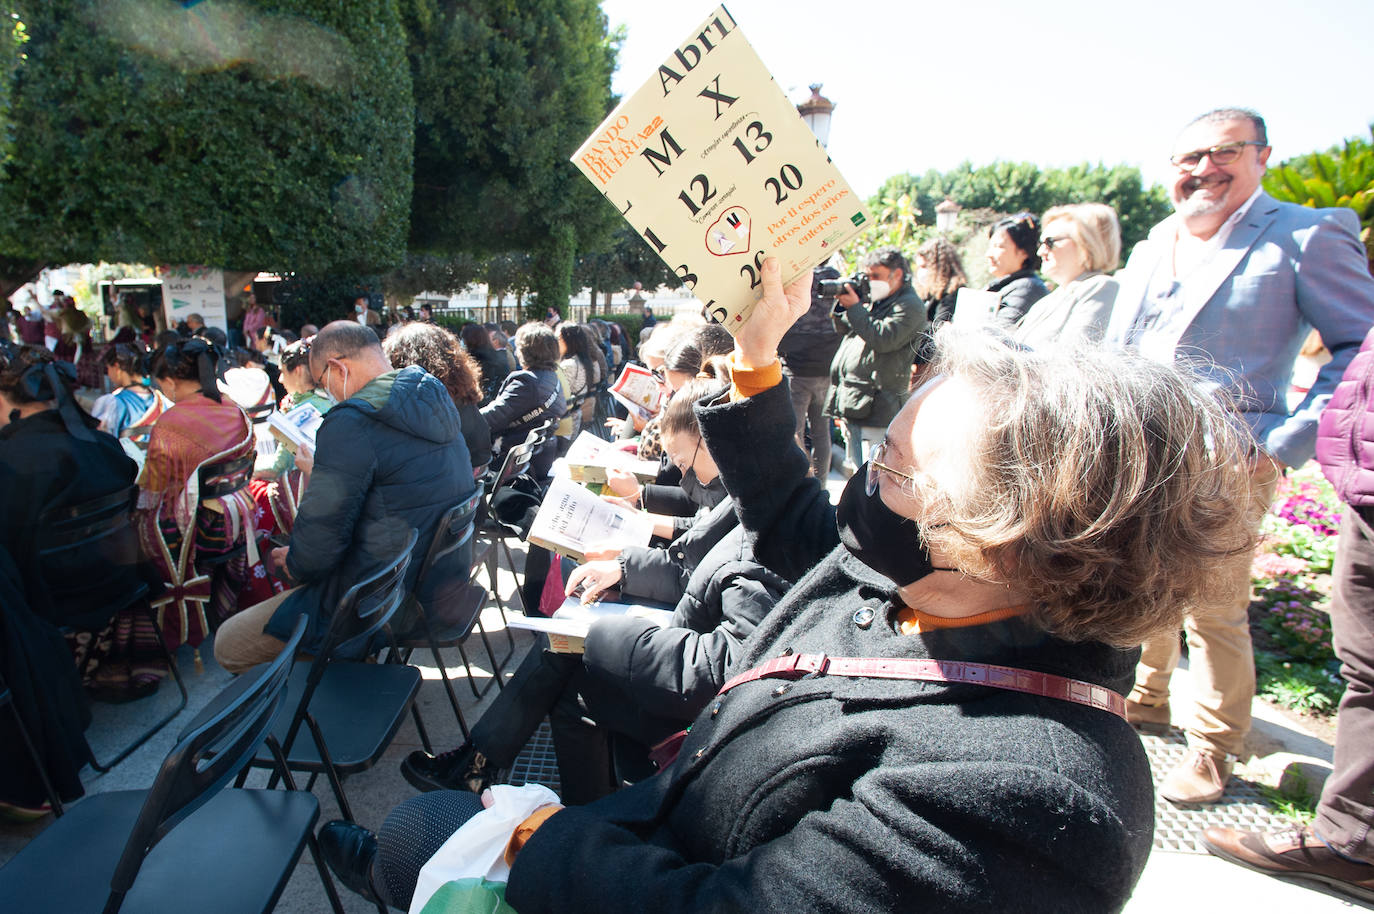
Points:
(568, 626)
(590, 457)
(572, 520)
(712, 165)
(639, 391)
(296, 428)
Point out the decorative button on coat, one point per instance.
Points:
(863, 616)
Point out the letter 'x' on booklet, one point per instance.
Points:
(712, 164)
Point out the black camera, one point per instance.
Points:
(835, 287)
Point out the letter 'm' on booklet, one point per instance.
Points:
(572, 520)
(711, 164)
(297, 428)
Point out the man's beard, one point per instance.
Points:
(1202, 204)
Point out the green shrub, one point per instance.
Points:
(452, 322)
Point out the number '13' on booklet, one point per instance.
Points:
(712, 164)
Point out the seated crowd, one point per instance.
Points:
(927, 691)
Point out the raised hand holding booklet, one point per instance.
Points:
(711, 163)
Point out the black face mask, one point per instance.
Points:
(708, 495)
(878, 536)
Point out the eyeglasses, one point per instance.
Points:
(875, 464)
(691, 463)
(1224, 154)
(1050, 242)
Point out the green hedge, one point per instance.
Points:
(452, 322)
(133, 142)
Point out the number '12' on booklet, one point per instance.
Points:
(712, 164)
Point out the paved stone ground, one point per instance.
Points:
(1176, 878)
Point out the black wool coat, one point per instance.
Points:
(673, 671)
(860, 795)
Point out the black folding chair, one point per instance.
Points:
(448, 603)
(7, 699)
(88, 559)
(216, 481)
(232, 851)
(352, 709)
(493, 535)
(604, 410)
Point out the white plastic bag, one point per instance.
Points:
(468, 874)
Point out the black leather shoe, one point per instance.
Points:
(463, 768)
(349, 850)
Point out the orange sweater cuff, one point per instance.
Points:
(526, 829)
(749, 382)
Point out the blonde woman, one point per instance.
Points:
(1079, 244)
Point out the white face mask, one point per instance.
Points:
(324, 386)
(878, 289)
(359, 309)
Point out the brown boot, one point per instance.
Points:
(1148, 718)
(1200, 778)
(1296, 854)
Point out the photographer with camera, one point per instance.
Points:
(882, 320)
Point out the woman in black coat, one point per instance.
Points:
(1013, 262)
(528, 398)
(490, 362)
(978, 757)
(51, 457)
(436, 350)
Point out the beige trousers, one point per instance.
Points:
(1221, 658)
(241, 644)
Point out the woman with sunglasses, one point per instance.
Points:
(932, 718)
(1080, 244)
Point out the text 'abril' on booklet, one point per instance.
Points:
(712, 164)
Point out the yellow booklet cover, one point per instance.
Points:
(712, 164)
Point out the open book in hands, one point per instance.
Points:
(297, 428)
(572, 519)
(567, 628)
(590, 457)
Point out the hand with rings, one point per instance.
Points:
(593, 578)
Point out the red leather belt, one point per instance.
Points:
(798, 666)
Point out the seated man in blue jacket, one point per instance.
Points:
(390, 456)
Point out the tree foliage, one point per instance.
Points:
(1010, 187)
(505, 93)
(273, 134)
(1341, 176)
(627, 260)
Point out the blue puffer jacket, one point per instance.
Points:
(389, 458)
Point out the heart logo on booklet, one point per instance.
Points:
(730, 233)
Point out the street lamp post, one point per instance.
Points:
(946, 215)
(816, 111)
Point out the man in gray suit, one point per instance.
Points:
(1233, 282)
